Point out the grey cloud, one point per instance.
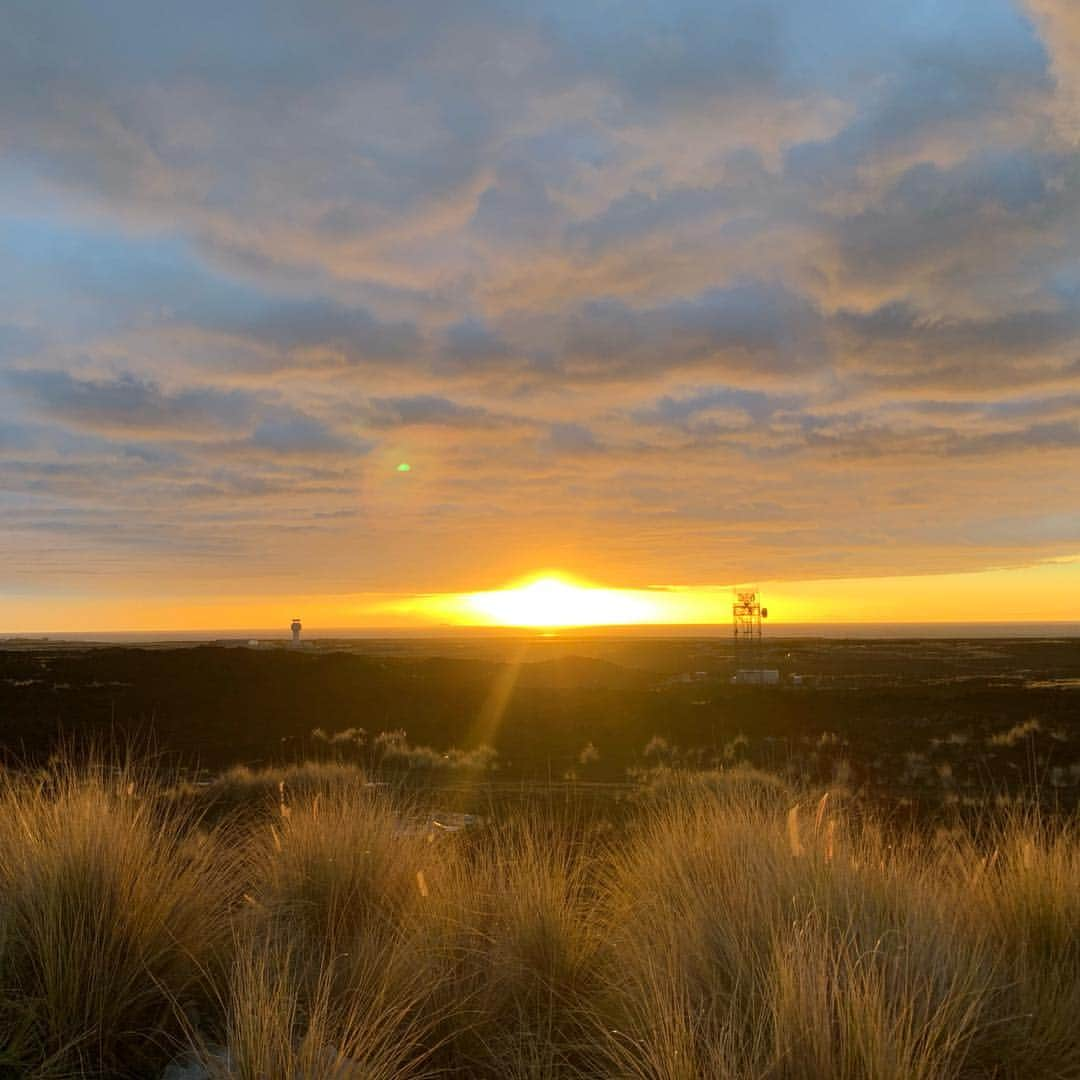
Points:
(17, 340)
(749, 327)
(1017, 331)
(152, 454)
(516, 209)
(471, 342)
(678, 412)
(132, 403)
(571, 439)
(638, 213)
(961, 376)
(18, 437)
(1012, 408)
(676, 55)
(868, 437)
(740, 182)
(289, 431)
(354, 334)
(127, 404)
(1059, 435)
(898, 345)
(930, 81)
(1012, 181)
(935, 214)
(389, 412)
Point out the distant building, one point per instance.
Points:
(689, 677)
(296, 628)
(756, 677)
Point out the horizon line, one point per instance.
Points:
(457, 630)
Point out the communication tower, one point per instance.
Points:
(746, 616)
(746, 619)
(296, 628)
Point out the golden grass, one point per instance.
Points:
(726, 928)
(116, 919)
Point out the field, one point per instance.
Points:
(628, 868)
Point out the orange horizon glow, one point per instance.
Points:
(1045, 593)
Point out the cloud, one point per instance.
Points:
(471, 343)
(570, 439)
(131, 404)
(427, 409)
(289, 431)
(351, 334)
(898, 345)
(937, 220)
(639, 213)
(686, 411)
(939, 70)
(516, 209)
(754, 327)
(1059, 22)
(16, 341)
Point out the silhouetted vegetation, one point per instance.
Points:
(934, 722)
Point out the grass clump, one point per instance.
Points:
(525, 948)
(289, 1018)
(115, 919)
(791, 946)
(1024, 888)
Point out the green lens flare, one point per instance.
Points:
(404, 467)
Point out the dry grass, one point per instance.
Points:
(791, 946)
(727, 930)
(116, 920)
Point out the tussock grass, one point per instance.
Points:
(524, 944)
(1024, 888)
(800, 946)
(288, 1016)
(730, 928)
(115, 919)
(341, 866)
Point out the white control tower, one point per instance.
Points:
(296, 628)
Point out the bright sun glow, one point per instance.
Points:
(552, 601)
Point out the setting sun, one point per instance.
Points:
(553, 601)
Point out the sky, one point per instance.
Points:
(661, 296)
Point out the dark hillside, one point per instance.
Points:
(959, 719)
